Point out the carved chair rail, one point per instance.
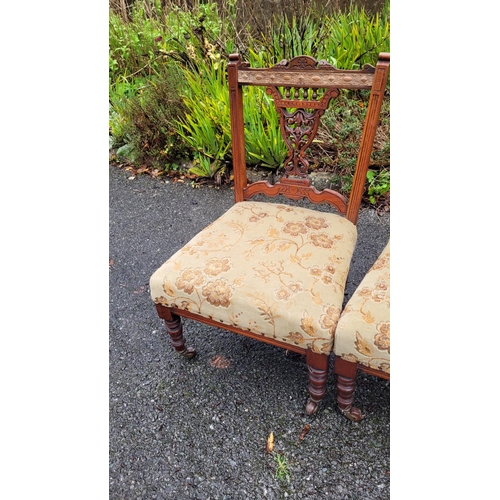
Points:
(302, 90)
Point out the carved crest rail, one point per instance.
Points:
(302, 90)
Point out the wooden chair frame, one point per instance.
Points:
(304, 73)
(310, 74)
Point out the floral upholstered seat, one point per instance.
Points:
(277, 270)
(362, 337)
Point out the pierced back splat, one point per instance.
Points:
(302, 89)
(300, 110)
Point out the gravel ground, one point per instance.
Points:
(184, 429)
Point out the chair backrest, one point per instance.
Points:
(302, 89)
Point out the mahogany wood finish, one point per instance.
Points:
(174, 329)
(318, 374)
(346, 372)
(302, 90)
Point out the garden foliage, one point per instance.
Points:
(168, 86)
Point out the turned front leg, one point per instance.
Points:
(346, 385)
(317, 365)
(173, 325)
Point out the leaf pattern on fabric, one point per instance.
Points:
(308, 325)
(362, 345)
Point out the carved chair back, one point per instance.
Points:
(302, 90)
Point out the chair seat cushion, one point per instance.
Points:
(363, 332)
(276, 270)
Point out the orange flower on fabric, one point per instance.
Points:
(315, 271)
(380, 263)
(296, 337)
(295, 287)
(383, 337)
(327, 279)
(364, 292)
(218, 293)
(295, 228)
(329, 268)
(283, 293)
(216, 266)
(189, 279)
(321, 240)
(381, 285)
(329, 320)
(378, 295)
(316, 223)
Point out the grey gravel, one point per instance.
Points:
(183, 429)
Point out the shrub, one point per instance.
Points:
(340, 136)
(163, 116)
(147, 120)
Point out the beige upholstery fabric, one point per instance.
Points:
(363, 331)
(277, 270)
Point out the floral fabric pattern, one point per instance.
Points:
(363, 331)
(277, 270)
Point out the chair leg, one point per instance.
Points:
(346, 385)
(318, 375)
(174, 329)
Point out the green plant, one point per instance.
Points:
(379, 184)
(347, 39)
(154, 38)
(263, 140)
(133, 46)
(204, 166)
(206, 125)
(145, 119)
(282, 471)
(193, 36)
(120, 94)
(357, 37)
(156, 33)
(296, 36)
(340, 136)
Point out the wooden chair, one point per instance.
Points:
(270, 271)
(362, 338)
